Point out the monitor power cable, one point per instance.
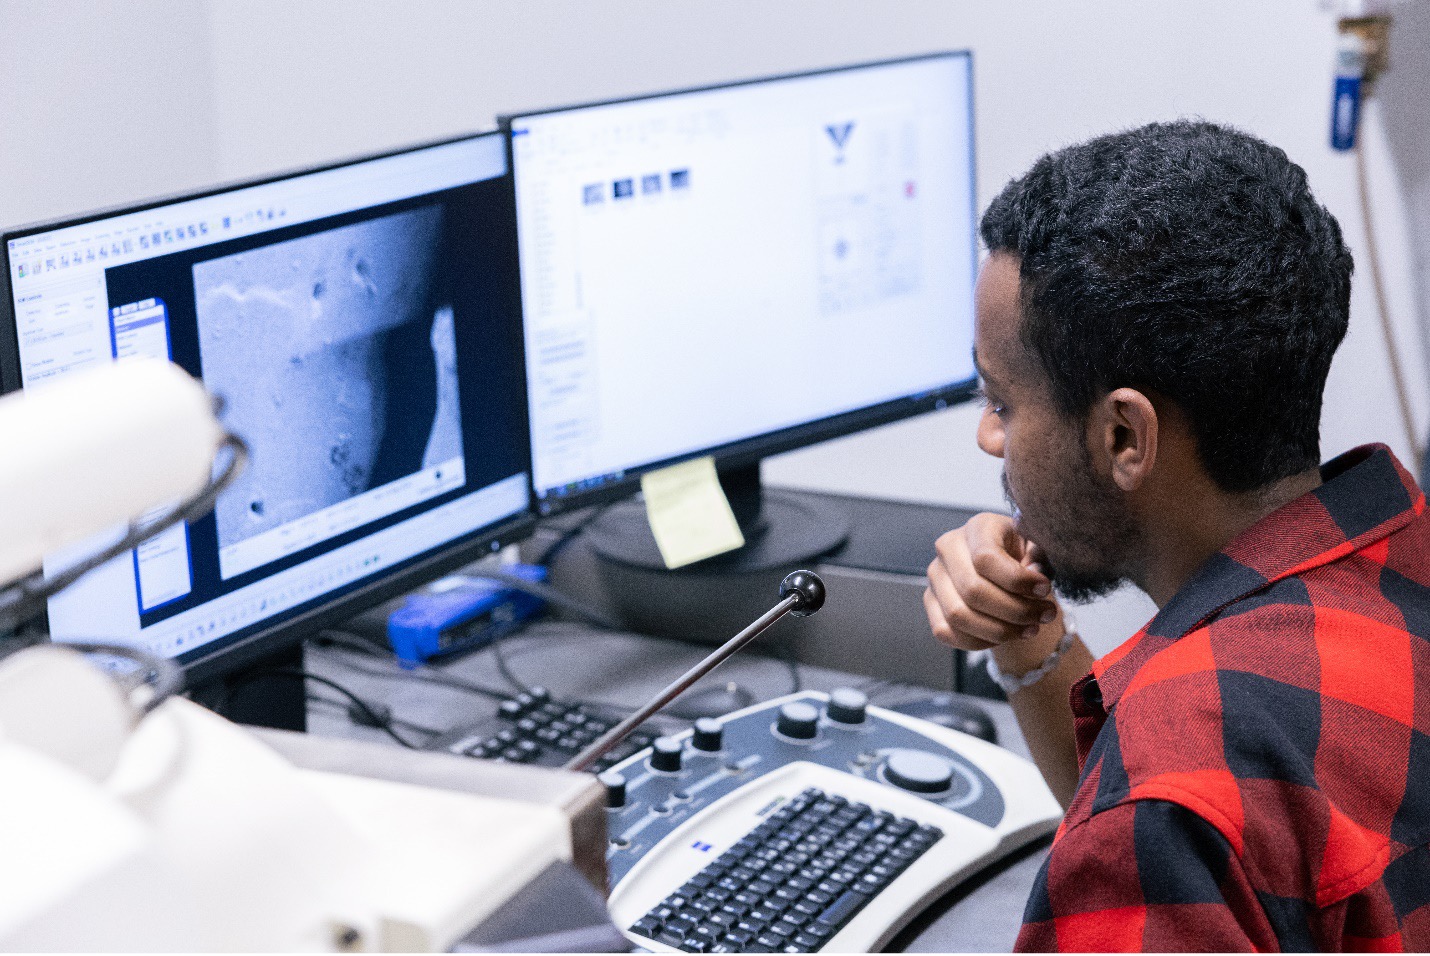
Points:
(571, 534)
(368, 715)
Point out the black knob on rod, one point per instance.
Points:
(809, 589)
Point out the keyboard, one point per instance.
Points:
(810, 823)
(792, 882)
(533, 728)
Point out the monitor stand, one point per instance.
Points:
(781, 530)
(257, 697)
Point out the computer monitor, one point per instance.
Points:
(743, 270)
(361, 323)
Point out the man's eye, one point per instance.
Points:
(981, 394)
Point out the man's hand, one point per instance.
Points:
(986, 590)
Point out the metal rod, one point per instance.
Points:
(607, 741)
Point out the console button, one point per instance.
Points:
(798, 720)
(847, 706)
(709, 735)
(666, 754)
(615, 785)
(918, 771)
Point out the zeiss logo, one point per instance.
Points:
(702, 847)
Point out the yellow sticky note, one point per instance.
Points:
(689, 513)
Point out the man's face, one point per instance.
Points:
(1076, 515)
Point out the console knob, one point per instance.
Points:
(918, 771)
(665, 754)
(798, 720)
(709, 735)
(615, 786)
(847, 706)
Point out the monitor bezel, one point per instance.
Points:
(241, 650)
(749, 451)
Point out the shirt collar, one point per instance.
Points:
(1365, 496)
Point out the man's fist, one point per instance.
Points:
(987, 589)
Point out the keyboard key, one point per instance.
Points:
(843, 908)
(783, 929)
(770, 943)
(707, 932)
(806, 942)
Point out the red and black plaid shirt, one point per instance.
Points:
(1256, 760)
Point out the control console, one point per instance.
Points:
(814, 821)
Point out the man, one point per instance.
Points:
(1156, 320)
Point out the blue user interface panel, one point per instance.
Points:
(360, 324)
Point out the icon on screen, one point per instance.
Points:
(650, 183)
(593, 193)
(839, 135)
(680, 179)
(23, 273)
(623, 188)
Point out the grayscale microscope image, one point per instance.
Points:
(335, 356)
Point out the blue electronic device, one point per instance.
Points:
(460, 613)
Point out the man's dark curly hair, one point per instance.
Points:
(1192, 260)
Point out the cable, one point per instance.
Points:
(791, 661)
(26, 598)
(550, 595)
(570, 534)
(499, 657)
(1377, 281)
(151, 681)
(421, 672)
(348, 709)
(377, 720)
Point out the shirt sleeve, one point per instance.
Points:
(1145, 875)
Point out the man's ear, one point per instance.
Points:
(1123, 431)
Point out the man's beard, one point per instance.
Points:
(1073, 527)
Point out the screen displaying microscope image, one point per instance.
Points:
(360, 326)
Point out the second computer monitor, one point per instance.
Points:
(742, 270)
(361, 324)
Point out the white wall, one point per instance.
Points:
(103, 101)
